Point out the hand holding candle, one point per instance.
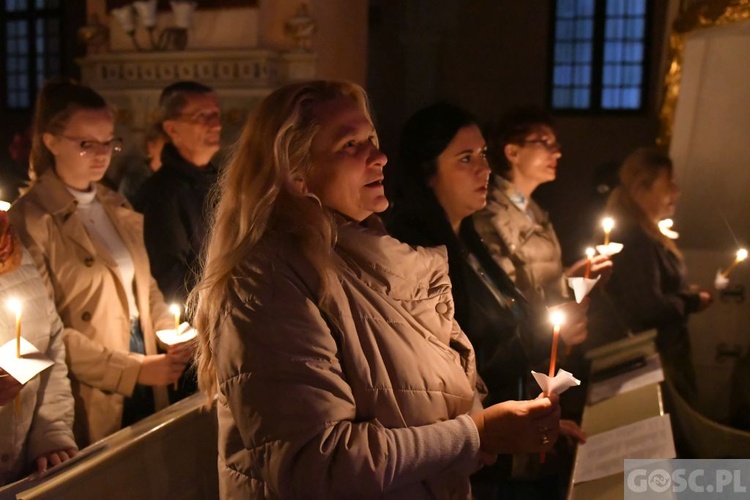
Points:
(741, 255)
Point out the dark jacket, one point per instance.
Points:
(489, 308)
(647, 290)
(173, 203)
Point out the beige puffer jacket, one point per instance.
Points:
(366, 401)
(45, 423)
(528, 251)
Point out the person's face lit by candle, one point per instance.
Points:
(534, 160)
(347, 171)
(460, 182)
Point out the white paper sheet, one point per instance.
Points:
(29, 365)
(560, 383)
(170, 338)
(604, 454)
(582, 286)
(609, 249)
(652, 373)
(720, 282)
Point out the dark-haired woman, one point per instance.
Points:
(442, 181)
(88, 246)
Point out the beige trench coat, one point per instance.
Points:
(86, 286)
(368, 400)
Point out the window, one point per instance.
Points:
(599, 55)
(31, 33)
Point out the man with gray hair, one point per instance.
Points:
(173, 199)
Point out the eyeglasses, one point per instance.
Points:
(202, 117)
(91, 147)
(552, 147)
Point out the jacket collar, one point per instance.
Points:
(172, 160)
(55, 198)
(389, 266)
(499, 195)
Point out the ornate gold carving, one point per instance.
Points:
(698, 15)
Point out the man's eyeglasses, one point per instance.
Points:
(552, 147)
(202, 117)
(90, 147)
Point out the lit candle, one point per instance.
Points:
(175, 309)
(741, 255)
(15, 306)
(607, 224)
(589, 255)
(557, 319)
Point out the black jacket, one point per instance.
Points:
(647, 290)
(173, 203)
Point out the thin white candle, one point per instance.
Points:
(608, 223)
(740, 256)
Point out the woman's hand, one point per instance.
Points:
(160, 369)
(575, 328)
(519, 426)
(54, 458)
(572, 432)
(706, 299)
(183, 352)
(9, 387)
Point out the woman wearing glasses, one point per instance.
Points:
(88, 246)
(523, 152)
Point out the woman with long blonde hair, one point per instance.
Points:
(332, 347)
(649, 287)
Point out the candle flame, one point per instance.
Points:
(174, 309)
(557, 318)
(741, 254)
(15, 306)
(608, 223)
(590, 252)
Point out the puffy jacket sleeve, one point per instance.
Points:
(51, 429)
(295, 412)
